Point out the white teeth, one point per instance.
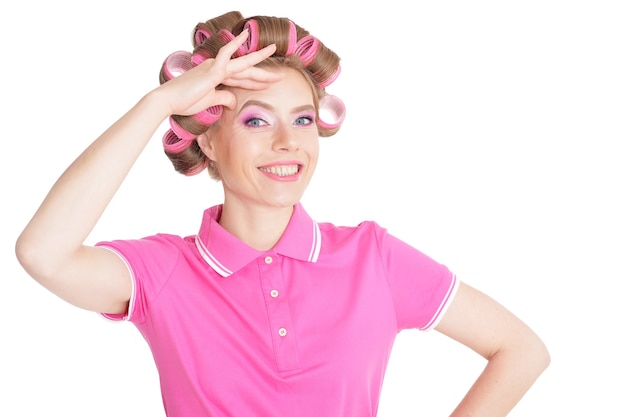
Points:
(282, 170)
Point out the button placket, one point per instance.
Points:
(279, 315)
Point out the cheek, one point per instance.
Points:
(240, 155)
(313, 147)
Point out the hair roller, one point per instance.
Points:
(306, 49)
(173, 143)
(325, 83)
(174, 65)
(177, 138)
(209, 116)
(182, 133)
(190, 160)
(252, 43)
(205, 30)
(325, 66)
(293, 38)
(199, 56)
(200, 36)
(211, 46)
(273, 30)
(332, 112)
(226, 36)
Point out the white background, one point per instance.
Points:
(488, 134)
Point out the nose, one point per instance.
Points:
(284, 139)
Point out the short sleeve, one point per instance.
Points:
(150, 261)
(421, 288)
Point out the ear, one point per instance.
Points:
(206, 141)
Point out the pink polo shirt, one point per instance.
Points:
(304, 329)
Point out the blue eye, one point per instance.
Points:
(255, 122)
(304, 120)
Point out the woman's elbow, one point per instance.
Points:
(32, 257)
(542, 355)
(534, 355)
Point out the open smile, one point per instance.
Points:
(282, 170)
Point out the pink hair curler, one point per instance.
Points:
(293, 39)
(331, 79)
(177, 63)
(226, 36)
(174, 144)
(332, 112)
(179, 131)
(252, 43)
(306, 49)
(210, 115)
(199, 57)
(201, 35)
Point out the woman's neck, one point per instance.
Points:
(259, 227)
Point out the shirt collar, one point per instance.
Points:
(226, 254)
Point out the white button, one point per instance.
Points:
(268, 259)
(282, 331)
(274, 293)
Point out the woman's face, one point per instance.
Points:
(266, 148)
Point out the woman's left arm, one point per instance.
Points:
(516, 355)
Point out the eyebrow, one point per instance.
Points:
(298, 109)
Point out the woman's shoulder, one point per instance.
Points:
(360, 227)
(364, 230)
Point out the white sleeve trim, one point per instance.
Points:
(441, 311)
(131, 302)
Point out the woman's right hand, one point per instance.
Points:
(195, 90)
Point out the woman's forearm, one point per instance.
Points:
(516, 355)
(504, 381)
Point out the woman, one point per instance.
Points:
(264, 311)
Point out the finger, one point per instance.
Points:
(246, 61)
(250, 84)
(225, 98)
(229, 49)
(239, 64)
(254, 74)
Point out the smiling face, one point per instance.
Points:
(266, 148)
